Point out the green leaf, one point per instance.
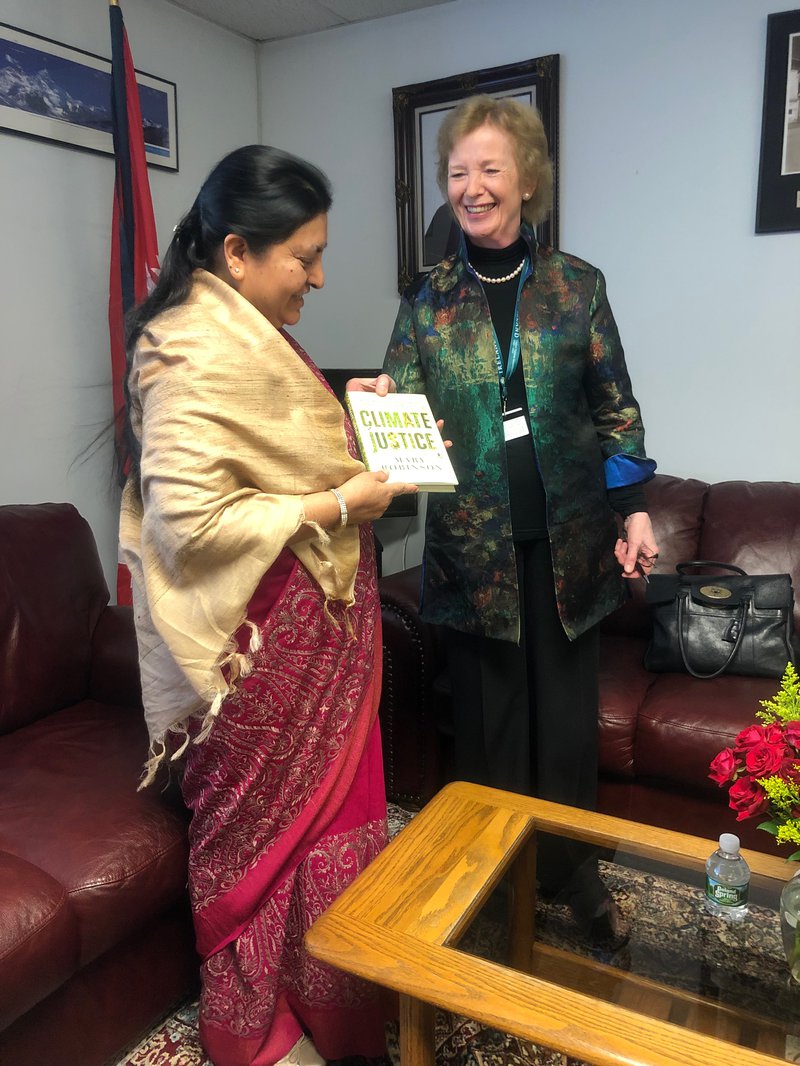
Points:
(769, 827)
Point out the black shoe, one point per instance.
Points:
(608, 929)
(597, 915)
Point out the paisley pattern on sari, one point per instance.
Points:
(288, 803)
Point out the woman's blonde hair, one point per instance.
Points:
(523, 125)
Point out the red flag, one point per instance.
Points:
(134, 246)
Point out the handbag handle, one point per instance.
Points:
(683, 567)
(743, 609)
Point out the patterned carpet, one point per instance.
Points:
(691, 958)
(459, 1042)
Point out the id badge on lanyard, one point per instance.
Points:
(514, 422)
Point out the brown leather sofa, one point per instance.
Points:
(96, 941)
(658, 732)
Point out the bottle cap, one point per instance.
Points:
(729, 842)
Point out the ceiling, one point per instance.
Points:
(269, 20)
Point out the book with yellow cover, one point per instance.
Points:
(398, 433)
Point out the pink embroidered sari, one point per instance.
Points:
(288, 804)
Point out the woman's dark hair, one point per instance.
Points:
(257, 192)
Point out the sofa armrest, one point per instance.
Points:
(114, 674)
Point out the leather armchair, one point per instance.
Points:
(96, 942)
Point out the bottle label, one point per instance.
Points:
(726, 895)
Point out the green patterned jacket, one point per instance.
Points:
(583, 414)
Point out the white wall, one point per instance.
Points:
(55, 221)
(660, 133)
(660, 128)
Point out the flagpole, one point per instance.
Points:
(134, 245)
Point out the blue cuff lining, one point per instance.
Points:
(627, 470)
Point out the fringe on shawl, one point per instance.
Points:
(347, 621)
(238, 665)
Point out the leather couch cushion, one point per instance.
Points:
(52, 591)
(111, 1004)
(38, 937)
(684, 812)
(684, 722)
(624, 683)
(755, 525)
(115, 659)
(69, 805)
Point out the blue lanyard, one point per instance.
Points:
(503, 373)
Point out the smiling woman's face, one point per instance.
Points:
(483, 187)
(276, 281)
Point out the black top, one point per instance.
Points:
(526, 491)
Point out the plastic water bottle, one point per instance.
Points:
(727, 880)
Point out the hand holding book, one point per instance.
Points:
(368, 494)
(381, 385)
(397, 433)
(362, 498)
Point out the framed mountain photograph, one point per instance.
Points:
(59, 93)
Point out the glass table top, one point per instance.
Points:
(680, 965)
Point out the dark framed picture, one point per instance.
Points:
(425, 229)
(778, 207)
(63, 94)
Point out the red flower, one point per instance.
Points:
(748, 738)
(774, 733)
(723, 767)
(748, 798)
(765, 759)
(791, 732)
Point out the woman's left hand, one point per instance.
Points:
(637, 551)
(381, 385)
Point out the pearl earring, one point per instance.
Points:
(526, 196)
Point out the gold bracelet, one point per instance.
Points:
(342, 507)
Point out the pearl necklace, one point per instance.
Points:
(499, 281)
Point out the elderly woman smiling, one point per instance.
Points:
(517, 350)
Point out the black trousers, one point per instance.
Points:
(525, 716)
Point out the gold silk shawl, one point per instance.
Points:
(234, 429)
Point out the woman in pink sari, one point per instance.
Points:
(245, 525)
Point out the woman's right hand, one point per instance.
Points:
(381, 385)
(367, 495)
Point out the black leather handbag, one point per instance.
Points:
(738, 623)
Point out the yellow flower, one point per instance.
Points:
(789, 832)
(783, 796)
(785, 705)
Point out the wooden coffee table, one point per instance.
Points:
(400, 922)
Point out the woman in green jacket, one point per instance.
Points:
(517, 350)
